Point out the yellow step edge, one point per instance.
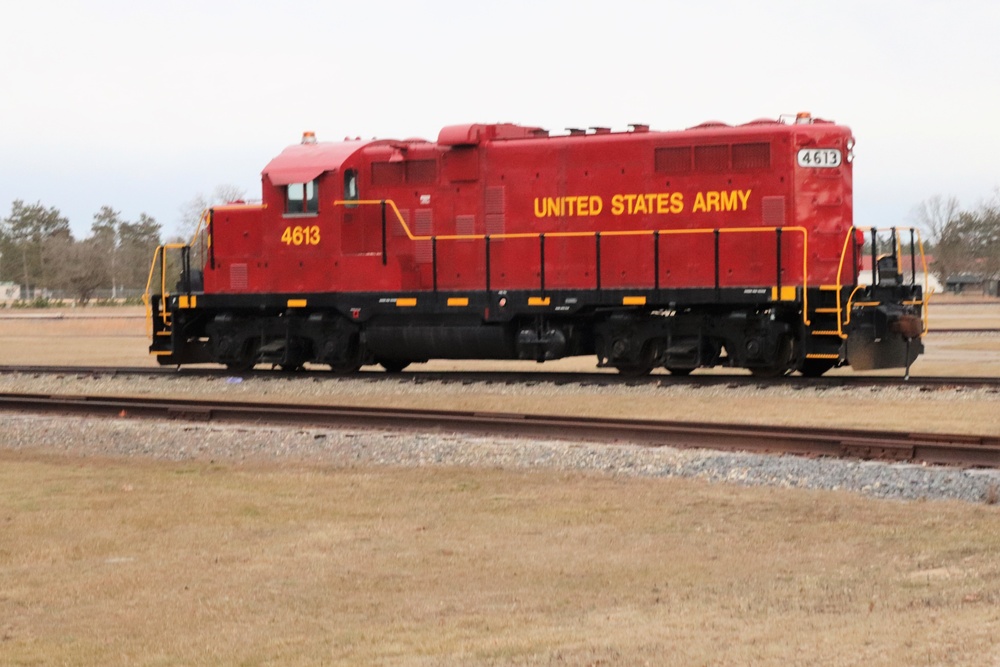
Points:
(785, 294)
(822, 356)
(825, 333)
(827, 310)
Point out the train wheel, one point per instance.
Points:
(393, 365)
(246, 360)
(782, 364)
(633, 370)
(813, 368)
(345, 367)
(680, 372)
(344, 354)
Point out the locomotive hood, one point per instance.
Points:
(303, 162)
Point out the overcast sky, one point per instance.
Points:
(142, 106)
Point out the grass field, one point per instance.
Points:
(143, 563)
(138, 563)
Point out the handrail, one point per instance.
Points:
(627, 232)
(844, 319)
(160, 254)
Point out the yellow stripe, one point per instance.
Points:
(787, 293)
(458, 301)
(539, 300)
(297, 303)
(406, 303)
(160, 353)
(822, 356)
(634, 301)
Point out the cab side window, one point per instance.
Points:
(302, 198)
(351, 185)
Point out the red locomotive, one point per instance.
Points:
(713, 246)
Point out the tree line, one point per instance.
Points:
(962, 242)
(39, 253)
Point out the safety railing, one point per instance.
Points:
(916, 244)
(655, 234)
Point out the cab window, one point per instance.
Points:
(302, 198)
(351, 184)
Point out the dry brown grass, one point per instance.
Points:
(114, 562)
(105, 562)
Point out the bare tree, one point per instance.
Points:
(79, 268)
(192, 211)
(970, 243)
(935, 214)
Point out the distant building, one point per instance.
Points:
(9, 292)
(972, 283)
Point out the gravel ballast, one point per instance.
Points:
(741, 402)
(225, 443)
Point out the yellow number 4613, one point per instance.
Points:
(301, 235)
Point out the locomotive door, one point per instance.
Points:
(361, 230)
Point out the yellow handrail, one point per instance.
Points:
(845, 319)
(628, 232)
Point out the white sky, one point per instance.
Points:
(142, 106)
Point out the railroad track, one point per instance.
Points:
(929, 448)
(582, 379)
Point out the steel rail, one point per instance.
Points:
(930, 448)
(580, 378)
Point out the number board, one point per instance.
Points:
(819, 157)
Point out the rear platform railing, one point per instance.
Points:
(892, 269)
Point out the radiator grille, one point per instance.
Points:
(773, 211)
(711, 158)
(423, 224)
(465, 224)
(496, 200)
(238, 276)
(673, 160)
(421, 171)
(752, 156)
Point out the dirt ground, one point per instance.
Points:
(145, 563)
